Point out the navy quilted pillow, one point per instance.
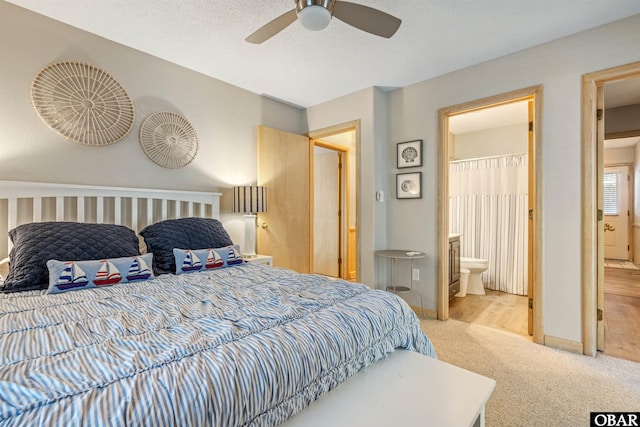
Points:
(36, 243)
(192, 233)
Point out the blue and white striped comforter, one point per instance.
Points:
(248, 345)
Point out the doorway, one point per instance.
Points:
(488, 210)
(285, 168)
(611, 293)
(330, 208)
(335, 190)
(534, 306)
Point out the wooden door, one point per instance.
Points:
(283, 167)
(616, 212)
(327, 212)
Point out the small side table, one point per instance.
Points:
(394, 255)
(259, 259)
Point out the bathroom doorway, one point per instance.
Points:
(497, 217)
(488, 209)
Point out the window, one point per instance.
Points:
(610, 195)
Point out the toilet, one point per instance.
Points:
(476, 267)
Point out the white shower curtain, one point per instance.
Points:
(488, 207)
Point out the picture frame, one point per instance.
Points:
(409, 154)
(409, 185)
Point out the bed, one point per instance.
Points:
(145, 314)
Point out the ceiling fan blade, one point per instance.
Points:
(272, 28)
(366, 18)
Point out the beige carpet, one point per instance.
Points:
(536, 385)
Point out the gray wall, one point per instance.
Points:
(369, 107)
(622, 119)
(491, 142)
(224, 116)
(558, 66)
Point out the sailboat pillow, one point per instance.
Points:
(189, 261)
(74, 275)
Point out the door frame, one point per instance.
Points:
(534, 93)
(318, 134)
(344, 192)
(592, 163)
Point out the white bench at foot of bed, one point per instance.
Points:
(405, 389)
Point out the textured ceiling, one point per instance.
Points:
(305, 68)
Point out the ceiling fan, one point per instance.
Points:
(316, 14)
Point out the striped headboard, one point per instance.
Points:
(24, 202)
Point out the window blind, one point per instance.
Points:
(610, 195)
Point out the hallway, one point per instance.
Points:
(622, 313)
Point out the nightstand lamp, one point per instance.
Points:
(249, 200)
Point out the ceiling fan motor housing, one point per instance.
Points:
(315, 15)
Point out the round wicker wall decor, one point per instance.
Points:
(82, 103)
(169, 139)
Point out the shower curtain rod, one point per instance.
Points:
(486, 158)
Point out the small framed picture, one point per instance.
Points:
(408, 185)
(410, 154)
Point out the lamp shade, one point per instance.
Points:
(249, 199)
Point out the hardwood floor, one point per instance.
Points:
(509, 312)
(496, 309)
(622, 313)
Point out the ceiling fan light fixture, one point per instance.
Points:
(317, 14)
(314, 15)
(314, 18)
